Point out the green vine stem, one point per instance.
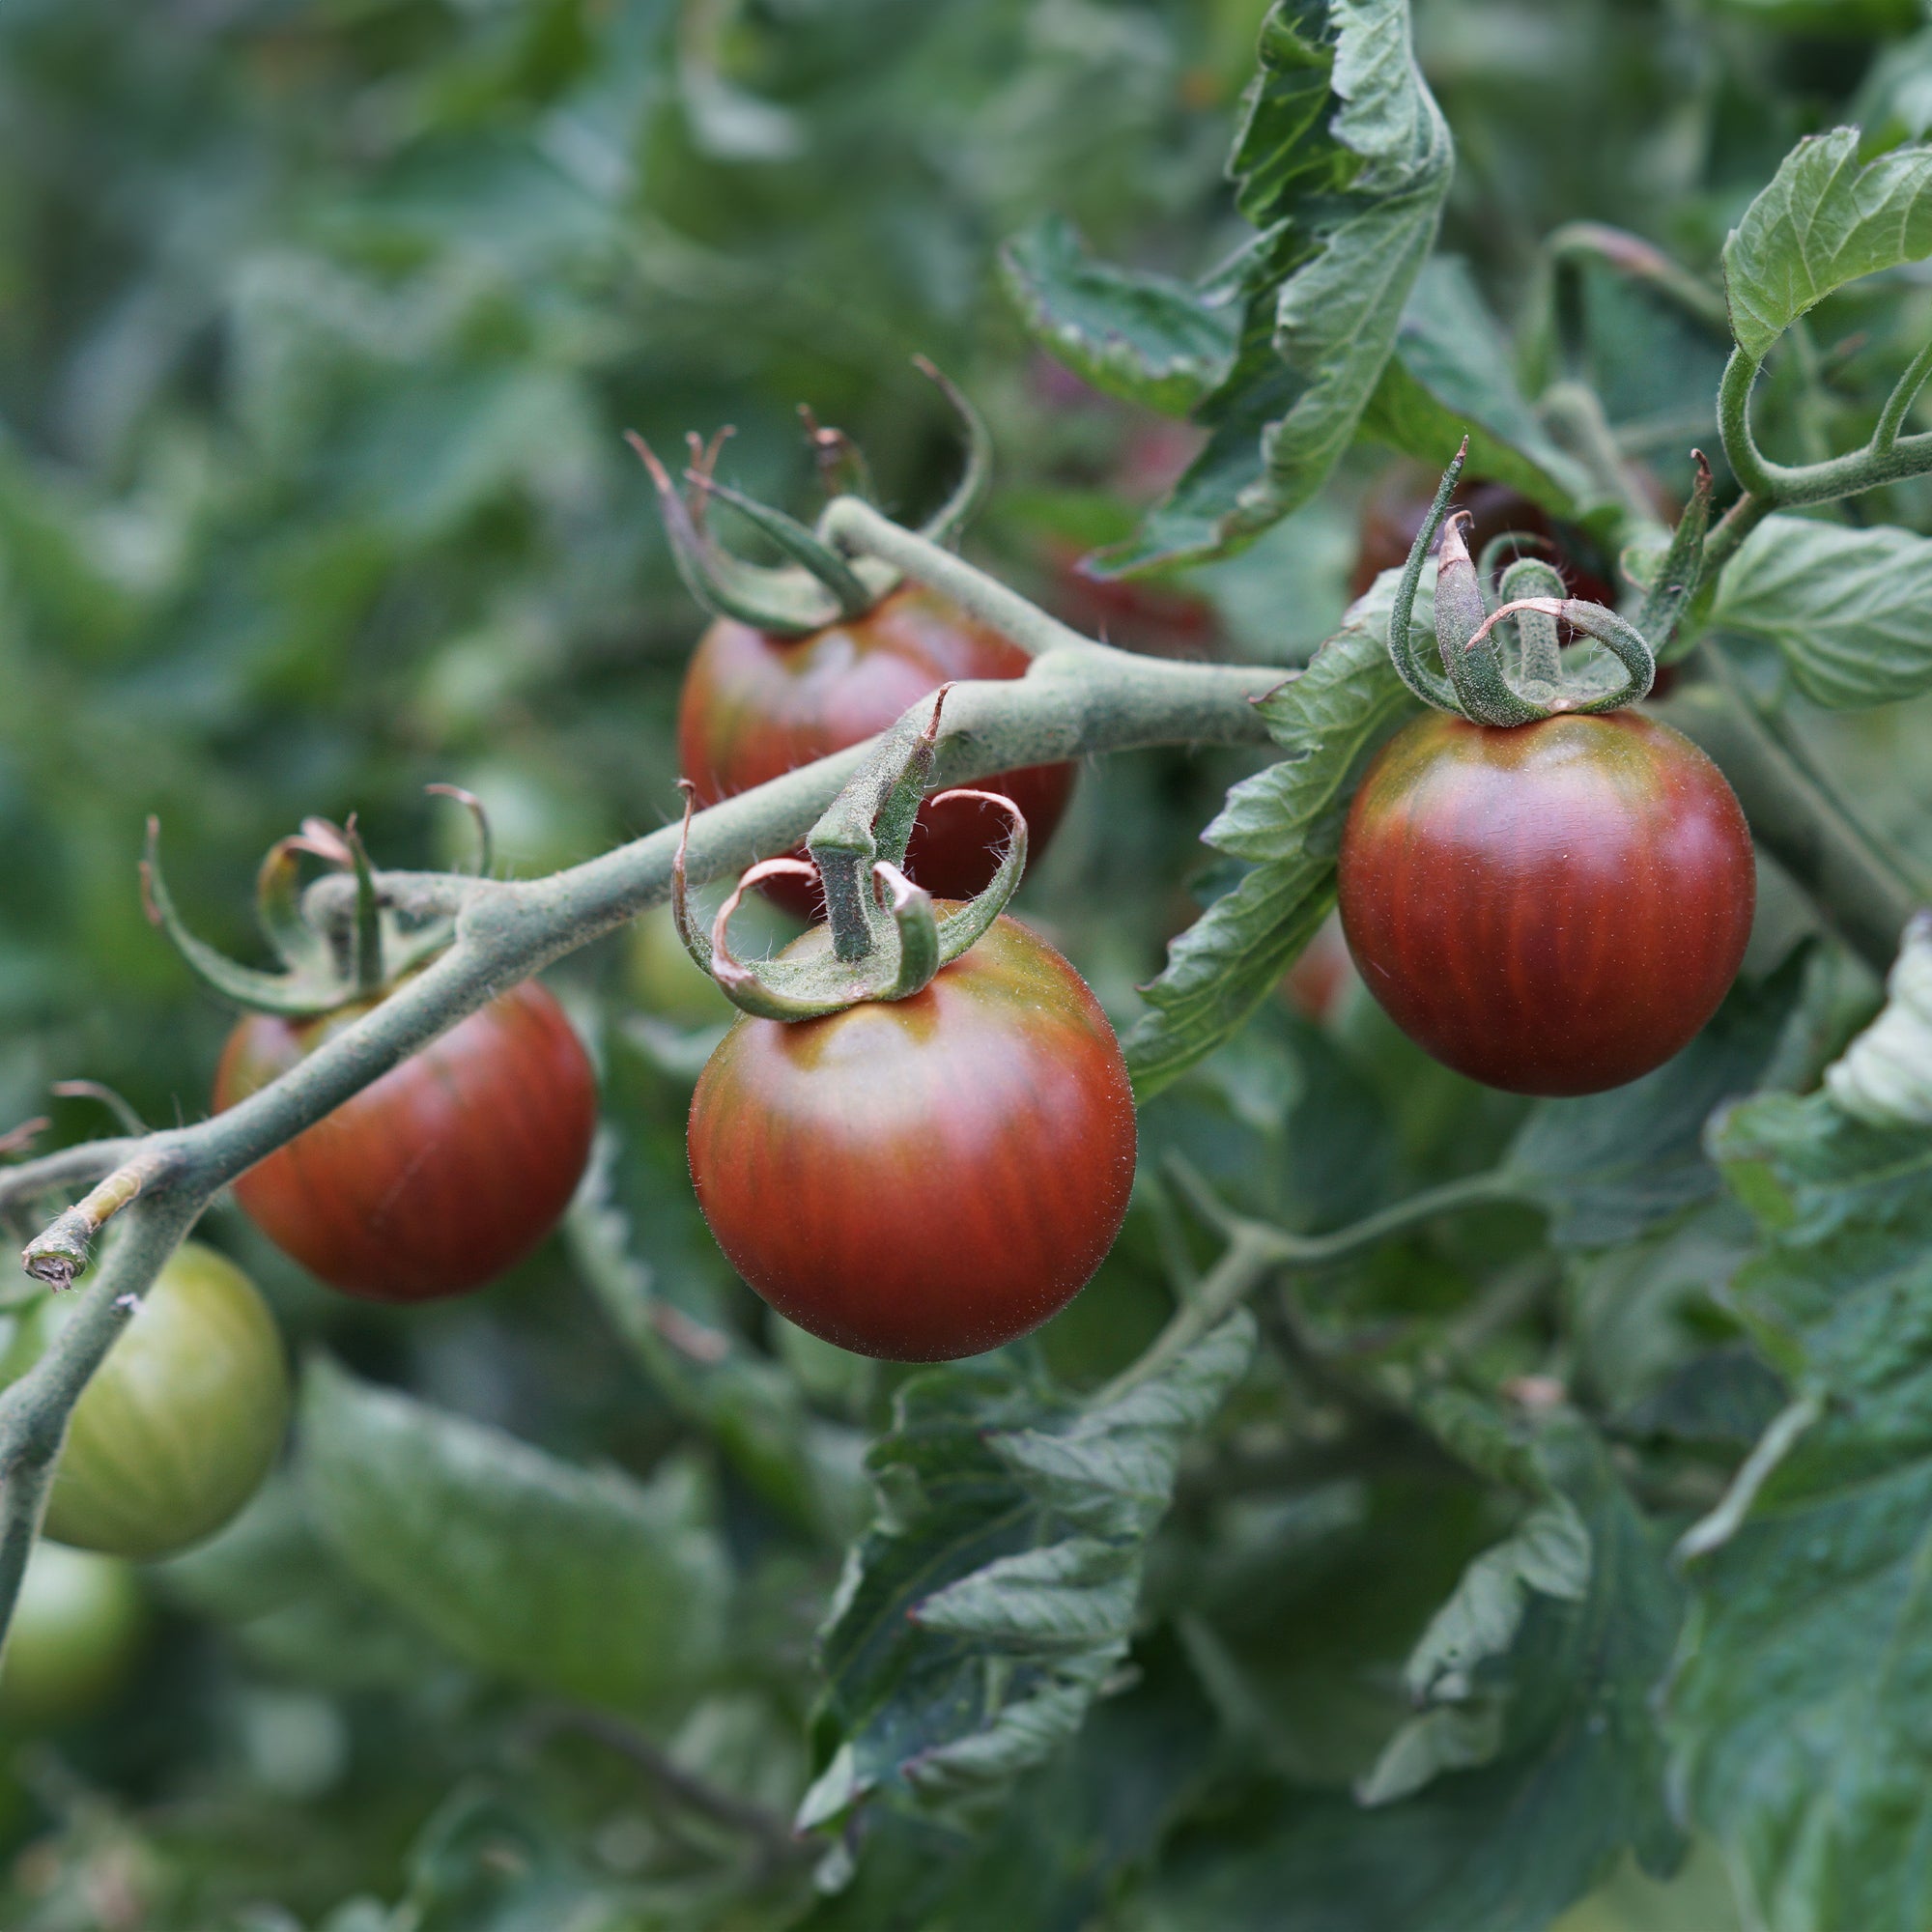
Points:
(1257, 1249)
(1887, 457)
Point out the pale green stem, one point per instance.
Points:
(1257, 1249)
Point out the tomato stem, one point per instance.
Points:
(1256, 1250)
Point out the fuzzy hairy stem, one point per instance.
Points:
(1885, 458)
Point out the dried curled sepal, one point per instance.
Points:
(365, 955)
(324, 968)
(1484, 684)
(696, 943)
(820, 585)
(912, 943)
(1426, 683)
(1540, 658)
(1624, 642)
(787, 602)
(1678, 577)
(294, 994)
(479, 819)
(944, 525)
(958, 931)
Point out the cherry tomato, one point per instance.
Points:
(441, 1174)
(78, 1629)
(1395, 507)
(181, 1422)
(755, 707)
(922, 1178)
(1553, 909)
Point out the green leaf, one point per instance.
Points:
(1608, 1167)
(580, 1582)
(1450, 374)
(992, 1599)
(1144, 337)
(1850, 610)
(1288, 820)
(1803, 1709)
(1055, 1852)
(1824, 220)
(804, 1467)
(1575, 1776)
(1342, 165)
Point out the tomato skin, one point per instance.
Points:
(755, 707)
(1551, 909)
(441, 1174)
(77, 1627)
(922, 1178)
(182, 1421)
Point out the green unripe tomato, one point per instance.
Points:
(182, 1421)
(77, 1627)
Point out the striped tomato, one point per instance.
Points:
(1551, 909)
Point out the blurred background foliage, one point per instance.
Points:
(320, 320)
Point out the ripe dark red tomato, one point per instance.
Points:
(756, 705)
(928, 1178)
(1553, 909)
(1394, 510)
(437, 1176)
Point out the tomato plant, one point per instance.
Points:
(441, 1174)
(925, 1178)
(1555, 908)
(757, 705)
(184, 1419)
(76, 1634)
(1446, 1507)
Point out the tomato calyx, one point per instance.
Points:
(1528, 681)
(326, 963)
(883, 938)
(818, 585)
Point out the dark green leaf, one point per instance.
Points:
(801, 1465)
(1288, 820)
(993, 1598)
(1341, 165)
(1850, 610)
(1148, 339)
(1451, 374)
(1609, 1166)
(577, 1581)
(1574, 1777)
(1803, 1708)
(1824, 220)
